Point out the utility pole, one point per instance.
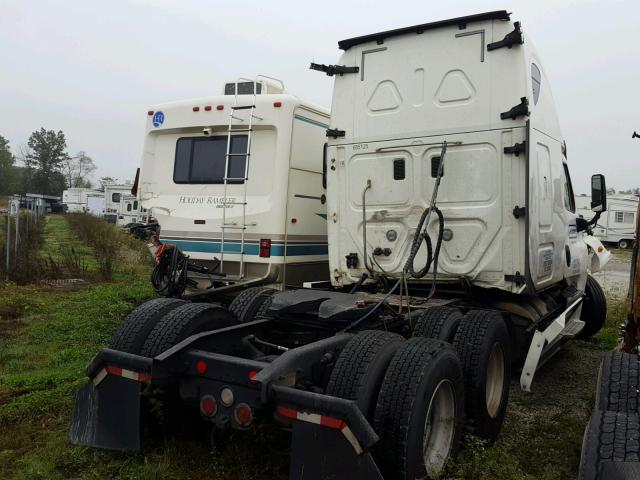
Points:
(631, 338)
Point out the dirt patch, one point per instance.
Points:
(9, 326)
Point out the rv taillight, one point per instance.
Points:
(150, 112)
(196, 109)
(277, 104)
(265, 247)
(201, 367)
(220, 107)
(199, 222)
(207, 108)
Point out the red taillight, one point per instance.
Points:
(243, 415)
(207, 108)
(150, 112)
(265, 247)
(277, 104)
(208, 405)
(252, 375)
(199, 222)
(201, 367)
(196, 109)
(220, 107)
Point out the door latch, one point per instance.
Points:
(519, 211)
(516, 149)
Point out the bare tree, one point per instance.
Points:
(78, 169)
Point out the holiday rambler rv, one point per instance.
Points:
(235, 182)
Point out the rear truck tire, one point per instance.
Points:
(483, 343)
(252, 303)
(137, 325)
(419, 410)
(439, 322)
(594, 308)
(183, 322)
(618, 387)
(361, 366)
(610, 437)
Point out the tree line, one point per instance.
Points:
(43, 166)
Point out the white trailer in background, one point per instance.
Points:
(113, 194)
(234, 181)
(130, 211)
(617, 224)
(95, 204)
(76, 199)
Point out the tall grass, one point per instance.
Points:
(110, 245)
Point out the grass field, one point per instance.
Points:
(48, 335)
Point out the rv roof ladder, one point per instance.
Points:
(241, 226)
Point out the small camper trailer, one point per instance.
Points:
(113, 194)
(617, 224)
(234, 181)
(76, 199)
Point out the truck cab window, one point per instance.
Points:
(203, 159)
(569, 199)
(536, 80)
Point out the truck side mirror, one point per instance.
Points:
(598, 193)
(324, 166)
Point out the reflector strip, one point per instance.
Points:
(325, 421)
(120, 372)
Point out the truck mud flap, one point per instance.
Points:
(321, 453)
(107, 415)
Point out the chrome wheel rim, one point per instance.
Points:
(495, 381)
(439, 428)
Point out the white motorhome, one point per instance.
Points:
(234, 181)
(113, 194)
(618, 224)
(75, 199)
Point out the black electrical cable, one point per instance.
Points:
(169, 276)
(417, 241)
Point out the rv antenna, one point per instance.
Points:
(635, 135)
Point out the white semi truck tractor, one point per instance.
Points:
(456, 258)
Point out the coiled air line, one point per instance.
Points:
(421, 236)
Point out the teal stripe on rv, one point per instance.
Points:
(312, 122)
(293, 250)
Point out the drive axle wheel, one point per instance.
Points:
(137, 325)
(183, 322)
(419, 409)
(439, 322)
(482, 341)
(594, 308)
(361, 366)
(252, 303)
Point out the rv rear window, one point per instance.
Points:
(202, 159)
(115, 197)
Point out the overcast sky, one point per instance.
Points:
(91, 68)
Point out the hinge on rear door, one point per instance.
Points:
(509, 40)
(519, 211)
(335, 133)
(332, 70)
(516, 149)
(517, 278)
(522, 109)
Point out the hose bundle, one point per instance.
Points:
(169, 276)
(432, 256)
